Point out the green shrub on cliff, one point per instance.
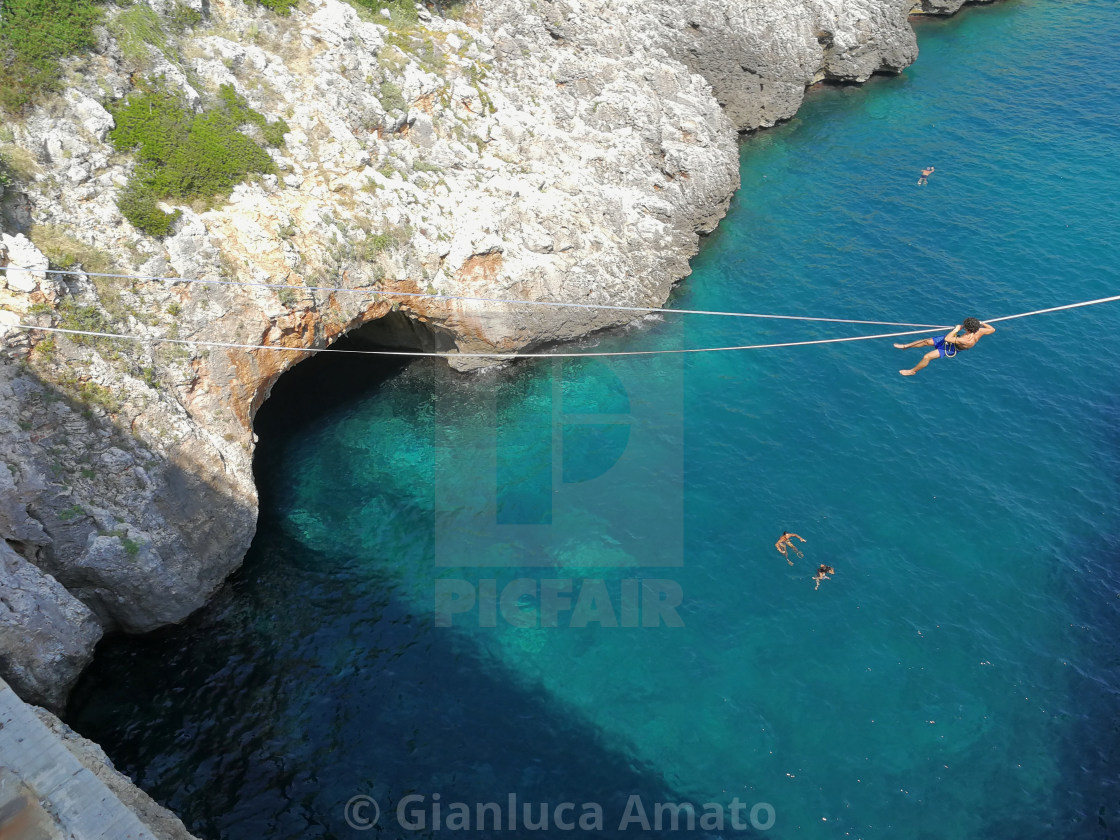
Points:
(74, 316)
(400, 11)
(281, 7)
(135, 29)
(392, 97)
(34, 35)
(184, 155)
(239, 110)
(137, 203)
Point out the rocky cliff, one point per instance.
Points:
(560, 150)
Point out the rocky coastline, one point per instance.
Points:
(559, 150)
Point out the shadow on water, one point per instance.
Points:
(310, 679)
(1091, 755)
(374, 702)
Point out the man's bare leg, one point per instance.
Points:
(926, 359)
(921, 342)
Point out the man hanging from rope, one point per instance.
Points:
(949, 345)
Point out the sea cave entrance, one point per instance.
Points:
(327, 381)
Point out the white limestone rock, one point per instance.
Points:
(95, 119)
(26, 264)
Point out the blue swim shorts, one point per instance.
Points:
(944, 350)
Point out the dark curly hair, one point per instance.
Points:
(971, 325)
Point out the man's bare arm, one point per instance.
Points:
(798, 536)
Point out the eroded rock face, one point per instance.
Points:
(46, 634)
(942, 7)
(758, 55)
(113, 490)
(555, 150)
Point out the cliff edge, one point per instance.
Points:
(557, 150)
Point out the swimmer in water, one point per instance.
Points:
(785, 541)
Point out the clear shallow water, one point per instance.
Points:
(956, 679)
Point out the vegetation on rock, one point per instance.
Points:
(65, 251)
(34, 36)
(279, 6)
(135, 29)
(7, 178)
(186, 155)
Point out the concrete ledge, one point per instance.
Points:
(69, 796)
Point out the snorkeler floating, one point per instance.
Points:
(785, 541)
(823, 572)
(929, 170)
(949, 345)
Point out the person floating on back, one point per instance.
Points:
(823, 572)
(929, 170)
(949, 345)
(785, 541)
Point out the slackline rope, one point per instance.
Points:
(540, 355)
(460, 355)
(1056, 308)
(514, 301)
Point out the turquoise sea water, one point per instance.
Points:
(957, 678)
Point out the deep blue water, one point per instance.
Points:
(957, 678)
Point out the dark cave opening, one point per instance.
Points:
(327, 381)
